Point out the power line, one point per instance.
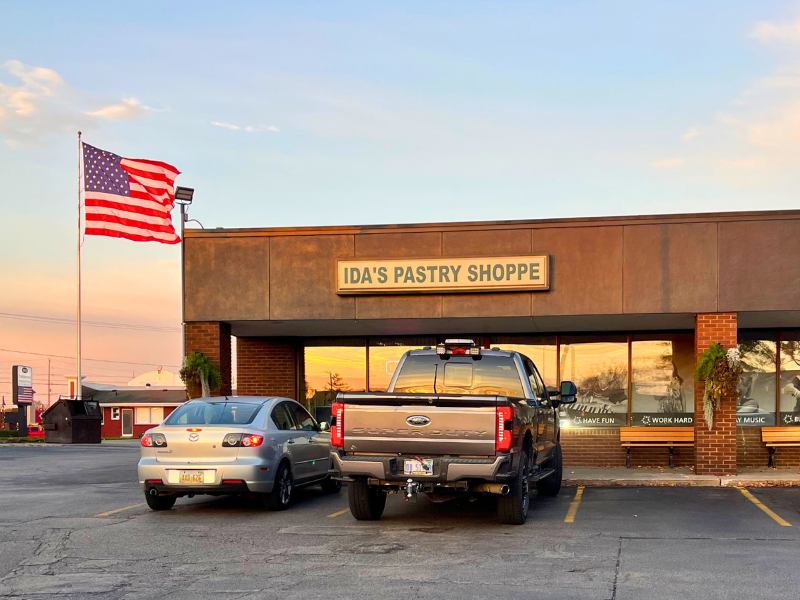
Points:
(119, 362)
(104, 324)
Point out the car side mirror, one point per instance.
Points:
(568, 392)
(323, 426)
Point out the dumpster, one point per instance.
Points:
(72, 422)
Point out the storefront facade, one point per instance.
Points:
(621, 306)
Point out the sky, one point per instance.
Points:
(323, 113)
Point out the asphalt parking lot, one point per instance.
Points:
(73, 524)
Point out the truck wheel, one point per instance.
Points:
(512, 509)
(551, 485)
(160, 502)
(366, 503)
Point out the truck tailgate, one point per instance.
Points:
(453, 425)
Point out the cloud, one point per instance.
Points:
(668, 163)
(690, 134)
(128, 109)
(768, 32)
(245, 128)
(36, 101)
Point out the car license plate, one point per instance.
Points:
(413, 466)
(192, 477)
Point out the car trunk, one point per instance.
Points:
(419, 424)
(198, 445)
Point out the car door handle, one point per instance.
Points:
(290, 442)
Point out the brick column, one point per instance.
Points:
(266, 367)
(715, 450)
(213, 339)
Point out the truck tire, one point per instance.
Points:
(551, 485)
(331, 486)
(160, 502)
(366, 503)
(512, 509)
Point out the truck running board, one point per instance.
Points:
(540, 474)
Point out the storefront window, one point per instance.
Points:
(385, 354)
(755, 405)
(541, 351)
(331, 369)
(600, 370)
(790, 378)
(663, 381)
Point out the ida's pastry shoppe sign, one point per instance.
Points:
(440, 275)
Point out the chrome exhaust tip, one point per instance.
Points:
(153, 492)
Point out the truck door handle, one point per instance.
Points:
(290, 442)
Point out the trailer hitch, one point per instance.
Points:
(412, 487)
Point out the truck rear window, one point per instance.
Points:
(490, 376)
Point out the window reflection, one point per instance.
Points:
(542, 352)
(330, 370)
(790, 378)
(600, 370)
(385, 354)
(755, 406)
(663, 381)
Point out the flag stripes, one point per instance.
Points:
(128, 198)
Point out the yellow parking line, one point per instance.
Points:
(118, 510)
(338, 513)
(573, 506)
(772, 514)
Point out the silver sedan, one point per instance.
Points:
(235, 445)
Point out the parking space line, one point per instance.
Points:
(573, 506)
(772, 514)
(338, 513)
(118, 510)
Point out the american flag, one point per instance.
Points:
(25, 395)
(128, 197)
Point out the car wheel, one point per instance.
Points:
(551, 485)
(281, 495)
(512, 509)
(160, 502)
(330, 485)
(366, 502)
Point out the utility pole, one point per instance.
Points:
(48, 383)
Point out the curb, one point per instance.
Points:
(729, 482)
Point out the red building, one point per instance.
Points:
(130, 411)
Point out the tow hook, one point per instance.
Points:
(412, 487)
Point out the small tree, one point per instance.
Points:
(198, 370)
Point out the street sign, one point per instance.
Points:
(22, 384)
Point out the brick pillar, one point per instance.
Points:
(213, 339)
(266, 367)
(715, 450)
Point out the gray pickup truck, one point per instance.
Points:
(457, 419)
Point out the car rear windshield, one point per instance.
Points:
(489, 375)
(200, 412)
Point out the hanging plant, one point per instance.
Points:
(199, 370)
(720, 371)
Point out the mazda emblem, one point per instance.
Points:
(193, 437)
(418, 421)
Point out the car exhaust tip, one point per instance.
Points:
(153, 492)
(504, 490)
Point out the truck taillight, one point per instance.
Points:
(337, 425)
(503, 431)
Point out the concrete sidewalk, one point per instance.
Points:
(677, 477)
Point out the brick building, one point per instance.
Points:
(620, 305)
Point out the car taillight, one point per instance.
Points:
(157, 440)
(337, 425)
(238, 440)
(503, 431)
(252, 440)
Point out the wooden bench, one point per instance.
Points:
(655, 437)
(779, 437)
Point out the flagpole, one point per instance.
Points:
(78, 382)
